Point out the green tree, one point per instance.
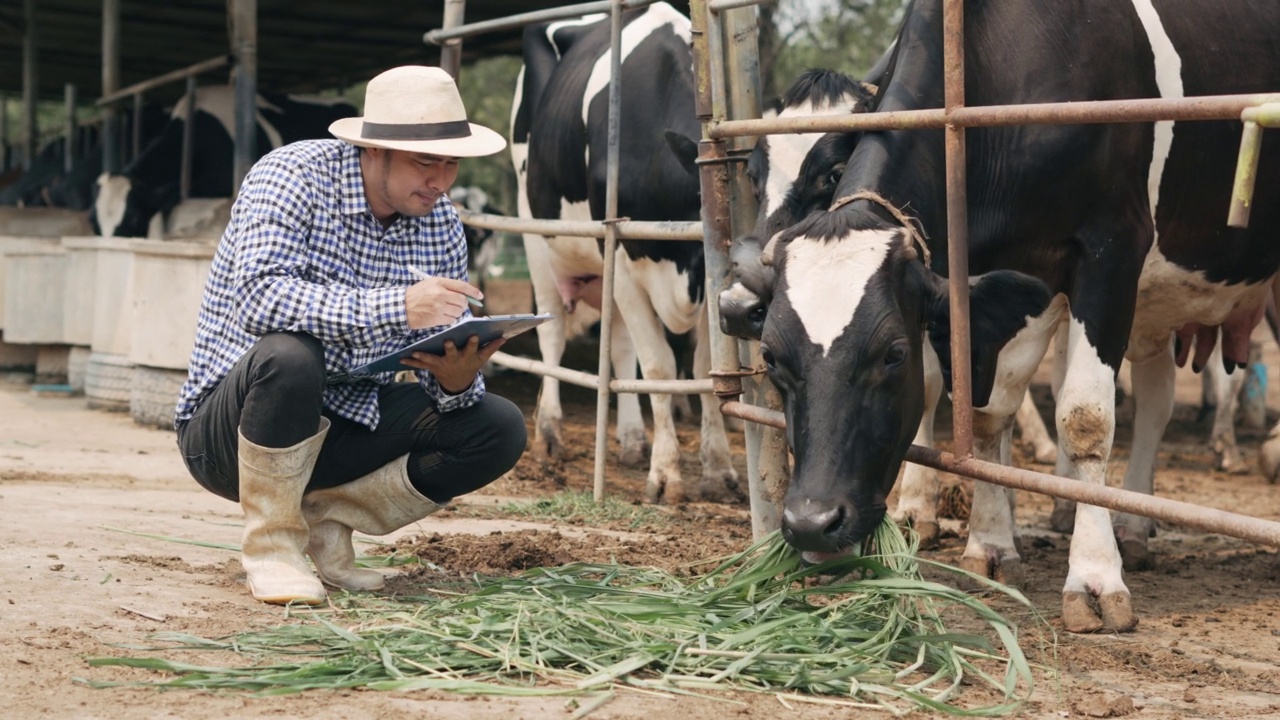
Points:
(844, 35)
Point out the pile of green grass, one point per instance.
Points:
(867, 630)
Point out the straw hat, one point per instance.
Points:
(417, 109)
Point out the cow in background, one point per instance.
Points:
(149, 186)
(48, 184)
(480, 252)
(558, 147)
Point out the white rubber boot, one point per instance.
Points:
(272, 482)
(378, 503)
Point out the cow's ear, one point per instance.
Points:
(1000, 303)
(686, 151)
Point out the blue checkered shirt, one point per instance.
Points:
(303, 253)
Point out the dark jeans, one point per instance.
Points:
(274, 394)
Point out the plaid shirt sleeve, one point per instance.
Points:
(455, 265)
(270, 281)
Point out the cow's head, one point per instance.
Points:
(124, 207)
(842, 342)
(791, 177)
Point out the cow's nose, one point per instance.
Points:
(816, 527)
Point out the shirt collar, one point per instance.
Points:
(354, 201)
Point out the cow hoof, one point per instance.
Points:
(1117, 612)
(1079, 615)
(673, 493)
(928, 532)
(1063, 517)
(1230, 462)
(547, 440)
(1006, 571)
(665, 487)
(1269, 459)
(720, 486)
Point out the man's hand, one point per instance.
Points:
(457, 368)
(437, 301)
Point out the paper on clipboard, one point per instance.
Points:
(487, 329)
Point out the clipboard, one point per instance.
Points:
(488, 329)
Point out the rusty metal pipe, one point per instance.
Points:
(957, 228)
(1265, 532)
(514, 22)
(626, 229)
(1210, 107)
(587, 380)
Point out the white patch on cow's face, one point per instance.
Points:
(787, 152)
(656, 16)
(826, 280)
(113, 192)
(1169, 81)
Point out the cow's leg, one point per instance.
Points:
(992, 549)
(551, 341)
(657, 362)
(1063, 517)
(1153, 385)
(1226, 390)
(918, 493)
(1035, 435)
(632, 440)
(1085, 416)
(719, 479)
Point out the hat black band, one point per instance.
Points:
(415, 131)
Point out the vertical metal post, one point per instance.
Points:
(110, 83)
(451, 52)
(69, 140)
(188, 139)
(244, 45)
(30, 40)
(957, 230)
(135, 128)
(768, 459)
(610, 245)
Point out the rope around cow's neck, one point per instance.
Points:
(908, 223)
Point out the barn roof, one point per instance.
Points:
(303, 45)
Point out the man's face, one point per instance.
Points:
(407, 183)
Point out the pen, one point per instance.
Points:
(423, 276)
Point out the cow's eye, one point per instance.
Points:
(895, 355)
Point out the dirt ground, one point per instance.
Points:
(80, 491)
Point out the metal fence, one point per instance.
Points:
(728, 105)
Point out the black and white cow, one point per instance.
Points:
(1109, 239)
(558, 147)
(150, 185)
(793, 176)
